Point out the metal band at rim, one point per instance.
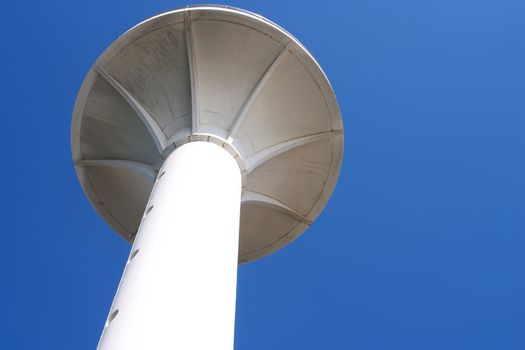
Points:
(206, 138)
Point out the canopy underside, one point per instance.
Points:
(221, 72)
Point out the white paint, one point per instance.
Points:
(190, 49)
(138, 167)
(149, 122)
(259, 86)
(216, 74)
(266, 154)
(178, 291)
(262, 199)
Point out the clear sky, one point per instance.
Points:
(422, 245)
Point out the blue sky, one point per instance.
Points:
(421, 246)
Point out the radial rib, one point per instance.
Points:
(150, 123)
(138, 167)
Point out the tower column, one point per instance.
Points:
(179, 285)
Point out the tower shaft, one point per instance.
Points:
(179, 285)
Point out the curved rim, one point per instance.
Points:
(88, 80)
(236, 10)
(330, 182)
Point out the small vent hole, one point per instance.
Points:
(161, 174)
(149, 209)
(134, 254)
(112, 317)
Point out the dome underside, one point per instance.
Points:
(220, 72)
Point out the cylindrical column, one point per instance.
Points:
(178, 287)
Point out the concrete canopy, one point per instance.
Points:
(215, 74)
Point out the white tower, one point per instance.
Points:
(207, 136)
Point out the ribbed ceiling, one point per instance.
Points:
(214, 71)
